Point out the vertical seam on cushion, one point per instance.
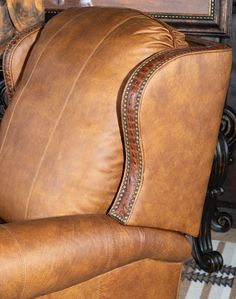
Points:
(64, 106)
(31, 74)
(22, 258)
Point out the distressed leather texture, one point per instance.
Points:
(183, 138)
(171, 137)
(74, 161)
(122, 283)
(72, 249)
(111, 113)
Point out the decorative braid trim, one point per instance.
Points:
(8, 57)
(126, 198)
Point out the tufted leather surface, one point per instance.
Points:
(68, 103)
(43, 256)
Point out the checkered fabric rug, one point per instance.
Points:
(197, 284)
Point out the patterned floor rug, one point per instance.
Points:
(197, 284)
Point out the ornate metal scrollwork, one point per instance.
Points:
(208, 259)
(203, 253)
(222, 221)
(228, 129)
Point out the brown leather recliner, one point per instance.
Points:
(105, 154)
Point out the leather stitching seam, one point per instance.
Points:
(65, 104)
(30, 76)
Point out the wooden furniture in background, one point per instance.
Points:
(202, 17)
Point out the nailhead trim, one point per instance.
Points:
(131, 101)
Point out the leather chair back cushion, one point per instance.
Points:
(60, 142)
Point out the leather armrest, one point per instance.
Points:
(171, 110)
(42, 256)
